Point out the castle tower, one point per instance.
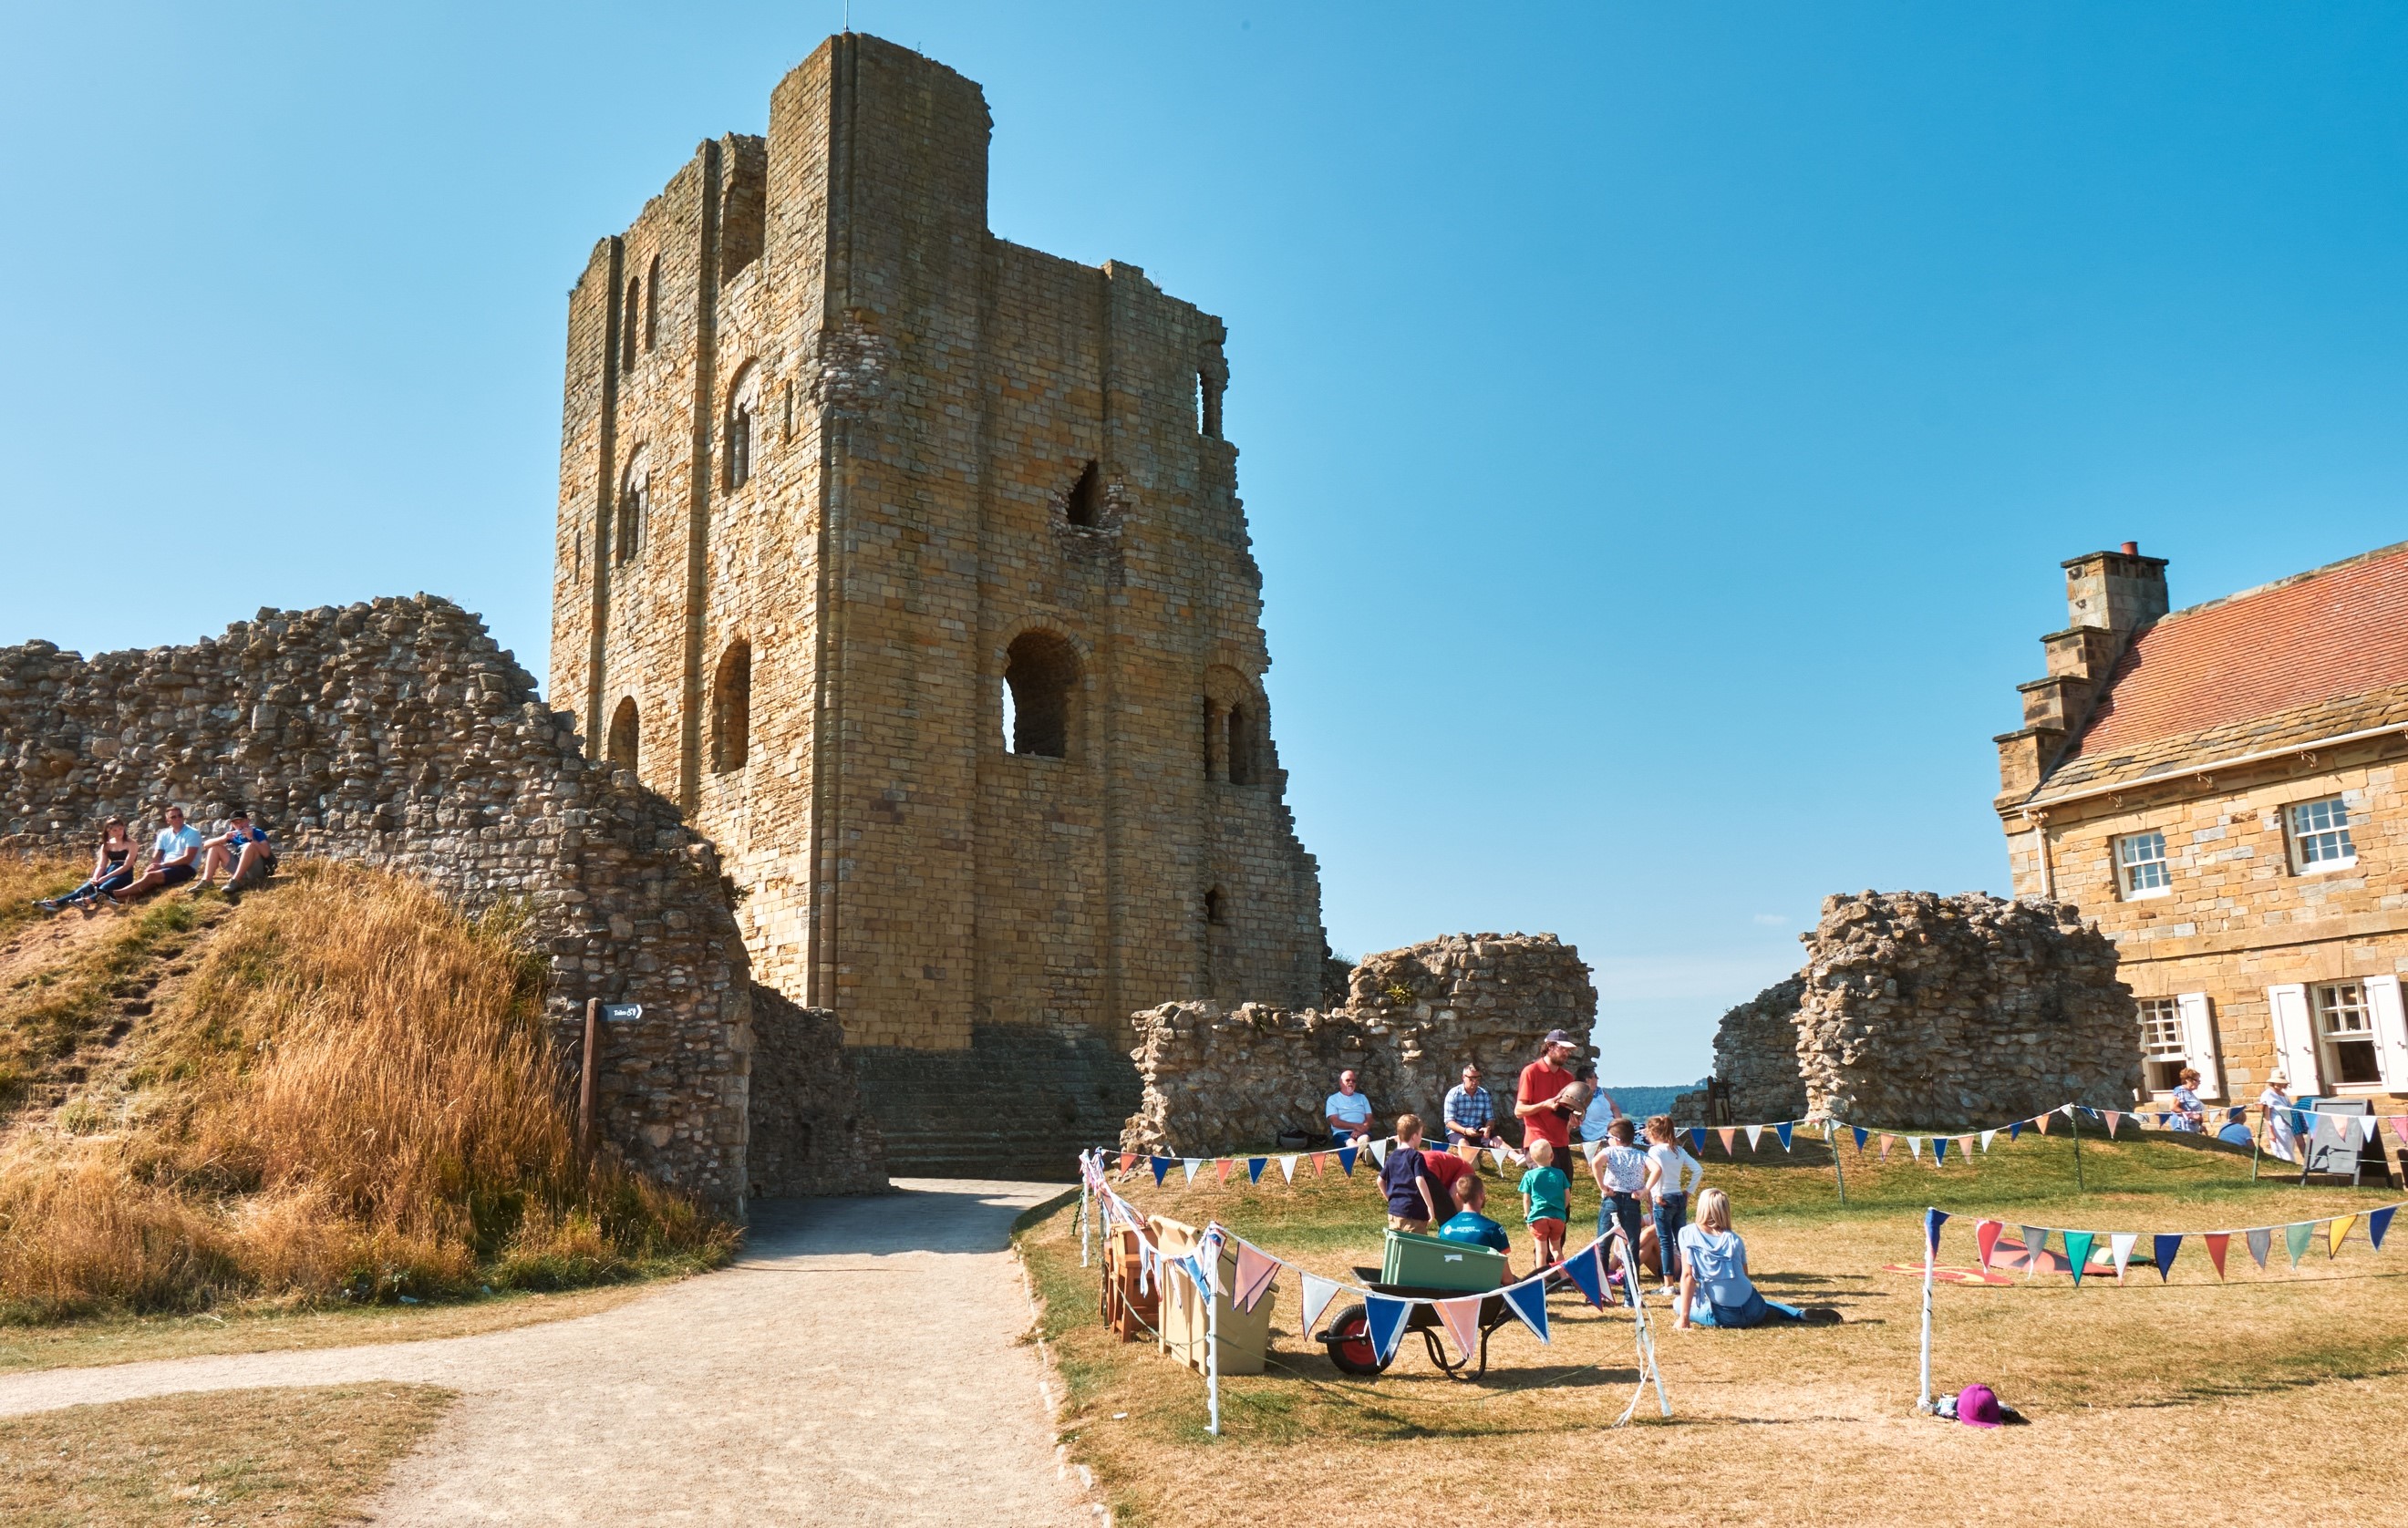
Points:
(910, 563)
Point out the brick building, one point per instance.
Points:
(2222, 788)
(910, 562)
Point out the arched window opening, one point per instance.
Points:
(635, 507)
(630, 317)
(1040, 676)
(1216, 907)
(1241, 746)
(1087, 505)
(1207, 403)
(622, 734)
(731, 709)
(653, 307)
(743, 417)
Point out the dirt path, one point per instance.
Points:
(860, 1365)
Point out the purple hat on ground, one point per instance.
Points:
(1977, 1407)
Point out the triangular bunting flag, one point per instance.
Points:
(1221, 1169)
(1462, 1322)
(1932, 1220)
(2119, 1246)
(2014, 1131)
(1729, 1134)
(1256, 1272)
(2399, 1127)
(1914, 1145)
(2340, 1225)
(1939, 1150)
(1964, 1145)
(1287, 1169)
(1696, 1138)
(2041, 1121)
(1755, 1135)
(1254, 1166)
(1380, 1152)
(1887, 1142)
(1320, 1164)
(1192, 1164)
(1987, 1136)
(2260, 1241)
(2216, 1242)
(1862, 1135)
(1528, 1301)
(2163, 1249)
(2035, 1243)
(2077, 1251)
(1588, 1274)
(1318, 1293)
(1346, 1159)
(1160, 1166)
(2377, 1223)
(1385, 1317)
(2296, 1236)
(1986, 1238)
(1128, 1160)
(1781, 1130)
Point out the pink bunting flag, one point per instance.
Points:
(1128, 1160)
(2041, 1121)
(1729, 1134)
(1256, 1272)
(1887, 1142)
(1986, 1238)
(1320, 1163)
(2112, 1119)
(1224, 1169)
(2399, 1127)
(1462, 1319)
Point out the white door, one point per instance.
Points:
(2391, 1029)
(2199, 1041)
(2295, 1037)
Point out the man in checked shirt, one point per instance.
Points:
(1470, 1116)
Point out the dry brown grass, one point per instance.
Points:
(247, 1456)
(2248, 1394)
(352, 1095)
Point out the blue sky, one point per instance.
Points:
(1660, 424)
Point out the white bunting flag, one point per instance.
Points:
(1987, 1136)
(2120, 1244)
(1380, 1152)
(1287, 1169)
(1914, 1145)
(1318, 1293)
(1754, 1133)
(1191, 1164)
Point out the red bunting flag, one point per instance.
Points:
(1128, 1160)
(1320, 1163)
(1224, 1169)
(1986, 1238)
(2216, 1241)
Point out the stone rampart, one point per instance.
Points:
(1221, 1080)
(1917, 1009)
(397, 734)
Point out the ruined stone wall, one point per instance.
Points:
(1924, 1011)
(397, 734)
(1219, 1080)
(925, 400)
(810, 1133)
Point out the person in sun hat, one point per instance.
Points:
(2277, 1101)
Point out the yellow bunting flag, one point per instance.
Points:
(2335, 1231)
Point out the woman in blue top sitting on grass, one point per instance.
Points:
(1716, 1290)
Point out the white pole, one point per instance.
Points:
(1930, 1255)
(1087, 1165)
(1213, 1340)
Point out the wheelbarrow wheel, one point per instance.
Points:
(1349, 1341)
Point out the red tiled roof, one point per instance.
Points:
(2303, 645)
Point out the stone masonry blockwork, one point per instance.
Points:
(396, 734)
(836, 461)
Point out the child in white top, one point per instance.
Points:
(1671, 1174)
(1621, 1172)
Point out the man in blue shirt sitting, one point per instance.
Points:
(1469, 1225)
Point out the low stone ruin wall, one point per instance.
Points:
(399, 735)
(810, 1133)
(1916, 1009)
(1220, 1081)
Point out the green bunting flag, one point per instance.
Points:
(2077, 1251)
(2297, 1236)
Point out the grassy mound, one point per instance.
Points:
(344, 1092)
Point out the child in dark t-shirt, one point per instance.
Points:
(1414, 1192)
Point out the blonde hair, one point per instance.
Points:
(1543, 1152)
(1714, 1210)
(1408, 1126)
(1659, 1128)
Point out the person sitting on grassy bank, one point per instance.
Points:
(174, 856)
(242, 852)
(1413, 1190)
(112, 870)
(1471, 1223)
(1716, 1290)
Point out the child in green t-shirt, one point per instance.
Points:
(1546, 1193)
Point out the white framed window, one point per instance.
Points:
(2320, 837)
(2141, 864)
(2345, 1035)
(2164, 1049)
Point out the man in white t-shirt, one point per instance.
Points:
(175, 858)
(1348, 1112)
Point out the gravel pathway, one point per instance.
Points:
(861, 1364)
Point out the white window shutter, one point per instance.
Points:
(2199, 1041)
(2295, 1037)
(2390, 1029)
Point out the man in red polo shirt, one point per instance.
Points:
(1534, 1102)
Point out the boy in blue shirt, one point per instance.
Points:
(1471, 1226)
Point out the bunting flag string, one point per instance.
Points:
(2166, 1246)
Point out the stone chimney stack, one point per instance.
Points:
(2110, 597)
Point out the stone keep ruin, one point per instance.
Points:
(1222, 1079)
(397, 734)
(1915, 1010)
